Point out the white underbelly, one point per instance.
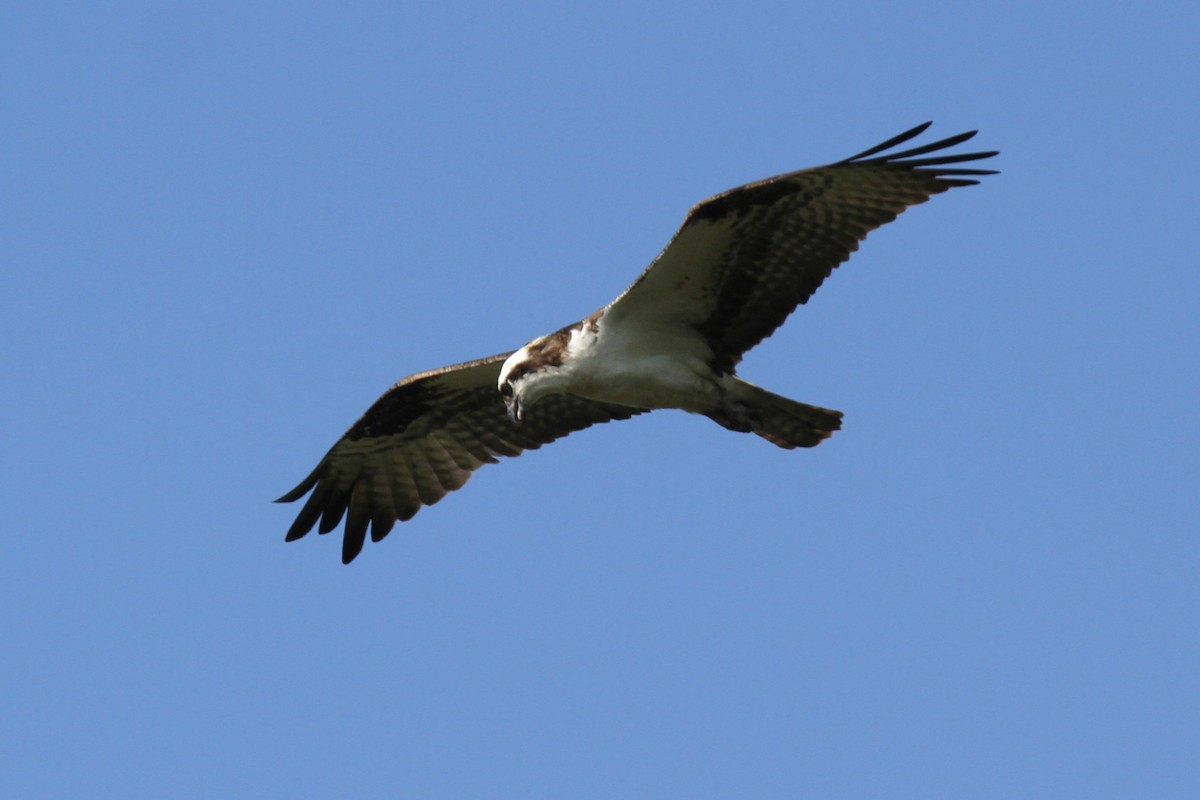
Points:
(649, 372)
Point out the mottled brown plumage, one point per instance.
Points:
(778, 239)
(737, 267)
(421, 439)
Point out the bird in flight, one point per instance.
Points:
(737, 267)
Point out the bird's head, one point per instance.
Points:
(532, 372)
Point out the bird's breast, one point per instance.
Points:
(645, 369)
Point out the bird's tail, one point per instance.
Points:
(782, 422)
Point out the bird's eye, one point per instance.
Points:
(506, 391)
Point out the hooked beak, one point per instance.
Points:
(515, 413)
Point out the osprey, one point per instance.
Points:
(737, 267)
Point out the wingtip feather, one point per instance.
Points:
(907, 158)
(294, 494)
(892, 142)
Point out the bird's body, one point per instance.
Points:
(629, 364)
(641, 366)
(739, 264)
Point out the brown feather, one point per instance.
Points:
(744, 259)
(737, 267)
(422, 439)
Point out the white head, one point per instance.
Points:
(532, 372)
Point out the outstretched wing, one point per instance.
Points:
(422, 439)
(744, 259)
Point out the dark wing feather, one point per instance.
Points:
(744, 259)
(422, 439)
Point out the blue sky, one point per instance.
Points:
(229, 227)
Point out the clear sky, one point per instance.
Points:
(228, 227)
